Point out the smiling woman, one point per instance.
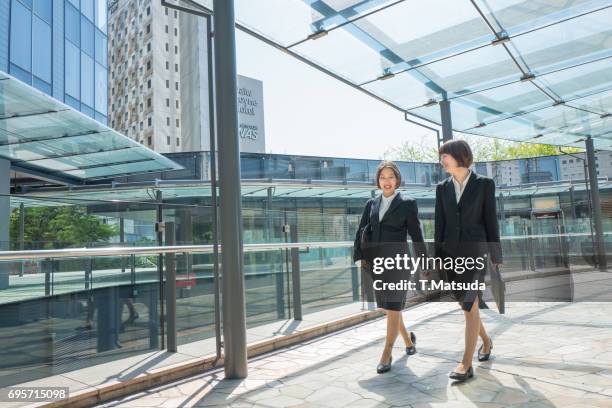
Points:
(386, 222)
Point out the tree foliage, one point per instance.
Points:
(60, 227)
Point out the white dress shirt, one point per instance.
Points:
(385, 202)
(384, 205)
(460, 187)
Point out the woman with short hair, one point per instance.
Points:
(385, 224)
(466, 226)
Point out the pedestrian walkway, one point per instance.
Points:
(545, 355)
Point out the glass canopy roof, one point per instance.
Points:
(524, 70)
(39, 133)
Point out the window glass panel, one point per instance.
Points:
(87, 79)
(87, 8)
(73, 24)
(72, 70)
(101, 89)
(101, 15)
(41, 85)
(101, 48)
(41, 49)
(87, 36)
(21, 36)
(43, 9)
(20, 74)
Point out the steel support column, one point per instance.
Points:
(234, 316)
(595, 205)
(445, 118)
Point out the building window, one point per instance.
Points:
(177, 104)
(177, 122)
(167, 47)
(149, 47)
(166, 28)
(148, 28)
(175, 14)
(175, 67)
(167, 121)
(168, 83)
(167, 65)
(176, 86)
(168, 140)
(175, 31)
(149, 123)
(148, 11)
(166, 10)
(176, 49)
(148, 102)
(149, 140)
(178, 141)
(148, 65)
(168, 102)
(149, 84)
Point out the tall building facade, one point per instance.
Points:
(145, 73)
(60, 48)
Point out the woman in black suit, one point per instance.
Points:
(466, 226)
(387, 220)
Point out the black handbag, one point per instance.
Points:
(365, 237)
(498, 288)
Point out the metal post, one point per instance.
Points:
(170, 288)
(213, 181)
(295, 276)
(21, 234)
(160, 266)
(122, 240)
(596, 205)
(445, 118)
(5, 217)
(572, 202)
(234, 316)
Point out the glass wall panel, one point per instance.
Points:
(101, 89)
(41, 49)
(72, 70)
(21, 36)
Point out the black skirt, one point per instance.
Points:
(466, 276)
(388, 284)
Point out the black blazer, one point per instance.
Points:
(400, 220)
(472, 220)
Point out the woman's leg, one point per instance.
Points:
(403, 331)
(472, 328)
(393, 317)
(486, 341)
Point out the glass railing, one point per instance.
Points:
(69, 308)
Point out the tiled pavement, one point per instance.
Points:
(545, 355)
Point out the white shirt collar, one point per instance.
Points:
(460, 187)
(390, 198)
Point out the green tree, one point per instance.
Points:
(60, 227)
(483, 148)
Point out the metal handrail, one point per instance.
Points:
(122, 251)
(204, 249)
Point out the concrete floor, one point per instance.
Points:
(544, 355)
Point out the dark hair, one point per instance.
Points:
(387, 164)
(459, 150)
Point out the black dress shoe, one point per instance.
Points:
(412, 349)
(462, 376)
(383, 368)
(485, 356)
